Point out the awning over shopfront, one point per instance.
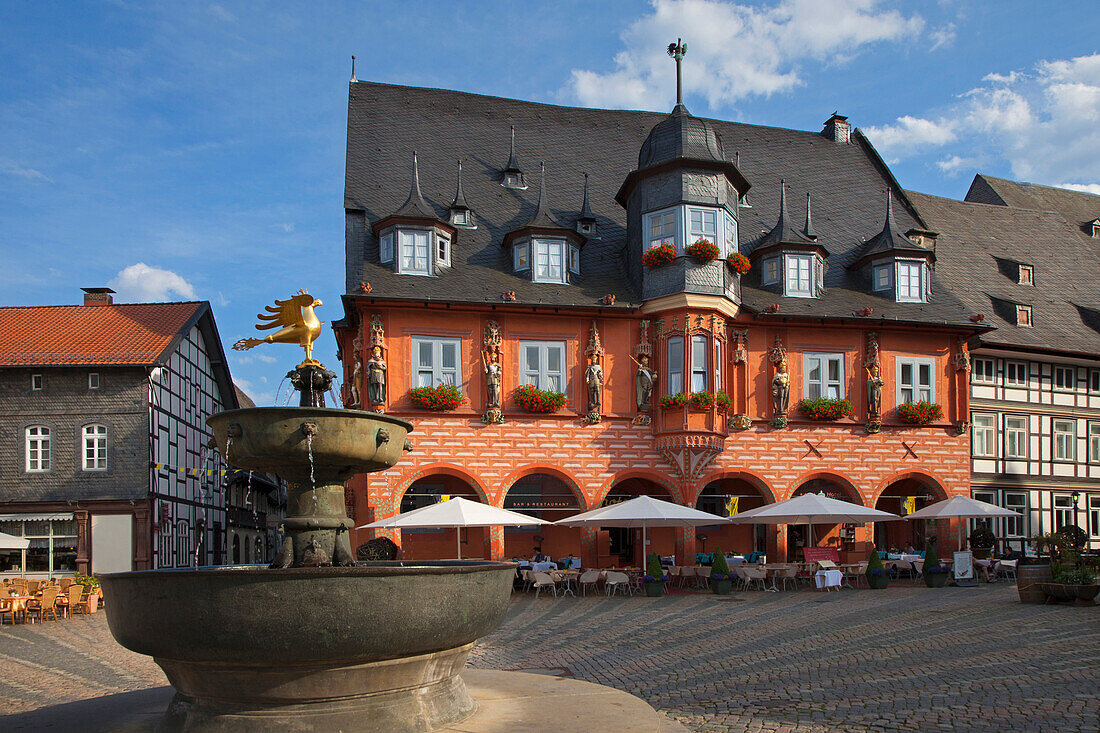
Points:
(55, 516)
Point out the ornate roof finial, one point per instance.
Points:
(543, 217)
(744, 200)
(677, 51)
(513, 175)
(808, 230)
(586, 210)
(353, 79)
(415, 205)
(889, 225)
(460, 198)
(586, 222)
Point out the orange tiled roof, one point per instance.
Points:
(134, 333)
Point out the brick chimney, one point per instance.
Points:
(837, 129)
(98, 296)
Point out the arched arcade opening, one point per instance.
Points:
(546, 497)
(439, 543)
(905, 496)
(839, 536)
(622, 546)
(725, 497)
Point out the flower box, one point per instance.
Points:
(739, 263)
(702, 400)
(674, 401)
(703, 250)
(440, 398)
(825, 408)
(723, 401)
(659, 256)
(919, 413)
(532, 399)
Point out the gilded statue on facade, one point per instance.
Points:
(593, 377)
(376, 377)
(296, 321)
(874, 392)
(644, 379)
(781, 390)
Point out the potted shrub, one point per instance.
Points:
(919, 413)
(654, 578)
(825, 408)
(659, 256)
(935, 575)
(440, 398)
(1074, 584)
(739, 263)
(532, 399)
(720, 580)
(703, 250)
(674, 401)
(982, 540)
(877, 578)
(702, 400)
(1033, 572)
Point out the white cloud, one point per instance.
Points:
(735, 50)
(956, 165)
(1093, 188)
(29, 173)
(257, 395)
(140, 283)
(909, 134)
(1044, 122)
(943, 37)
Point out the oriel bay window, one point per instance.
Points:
(437, 361)
(543, 364)
(675, 365)
(662, 229)
(699, 363)
(823, 376)
(680, 226)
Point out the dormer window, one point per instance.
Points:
(519, 257)
(549, 261)
(804, 275)
(1023, 316)
(662, 229)
(587, 228)
(574, 259)
(683, 225)
(514, 179)
(1094, 228)
(460, 217)
(414, 252)
(443, 250)
(907, 279)
(415, 249)
(703, 224)
(1026, 275)
(770, 275)
(385, 248)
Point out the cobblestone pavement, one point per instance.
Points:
(908, 658)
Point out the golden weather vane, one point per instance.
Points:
(299, 325)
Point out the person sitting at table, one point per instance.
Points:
(909, 549)
(538, 556)
(572, 561)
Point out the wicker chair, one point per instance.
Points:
(45, 604)
(72, 598)
(589, 578)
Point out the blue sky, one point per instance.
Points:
(196, 150)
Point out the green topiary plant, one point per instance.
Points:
(719, 569)
(653, 569)
(877, 578)
(935, 575)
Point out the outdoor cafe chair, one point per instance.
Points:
(739, 577)
(1008, 568)
(789, 574)
(589, 578)
(757, 575)
(45, 604)
(918, 570)
(72, 600)
(702, 576)
(7, 608)
(543, 580)
(685, 575)
(616, 581)
(858, 574)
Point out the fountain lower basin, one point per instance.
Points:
(376, 647)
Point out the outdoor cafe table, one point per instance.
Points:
(828, 579)
(19, 605)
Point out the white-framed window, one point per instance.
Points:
(770, 275)
(36, 382)
(1016, 526)
(703, 223)
(1065, 377)
(574, 259)
(1094, 442)
(916, 380)
(730, 234)
(1063, 511)
(95, 447)
(981, 371)
(459, 217)
(519, 257)
(549, 260)
(543, 364)
(819, 274)
(718, 386)
(1023, 316)
(882, 277)
(699, 368)
(1016, 436)
(1094, 514)
(93, 380)
(1026, 275)
(822, 376)
(799, 271)
(37, 449)
(661, 226)
(443, 249)
(385, 248)
(437, 361)
(414, 251)
(1016, 374)
(675, 365)
(983, 435)
(910, 278)
(1065, 438)
(1094, 381)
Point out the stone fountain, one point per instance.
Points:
(316, 641)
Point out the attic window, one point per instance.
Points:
(1026, 275)
(514, 179)
(460, 217)
(1096, 228)
(1023, 316)
(443, 245)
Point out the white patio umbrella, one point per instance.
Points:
(456, 512)
(813, 509)
(11, 542)
(962, 507)
(644, 512)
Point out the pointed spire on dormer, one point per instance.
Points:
(513, 175)
(415, 205)
(890, 239)
(808, 230)
(461, 215)
(744, 200)
(586, 222)
(784, 232)
(543, 217)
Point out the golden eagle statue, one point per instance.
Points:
(299, 324)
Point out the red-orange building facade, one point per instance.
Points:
(871, 298)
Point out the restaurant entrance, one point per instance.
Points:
(624, 544)
(905, 497)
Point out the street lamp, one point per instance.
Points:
(1076, 496)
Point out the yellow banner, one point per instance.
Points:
(444, 497)
(731, 505)
(910, 505)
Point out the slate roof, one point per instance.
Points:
(387, 122)
(1077, 207)
(784, 231)
(890, 239)
(977, 252)
(122, 334)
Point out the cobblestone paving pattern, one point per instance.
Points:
(907, 658)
